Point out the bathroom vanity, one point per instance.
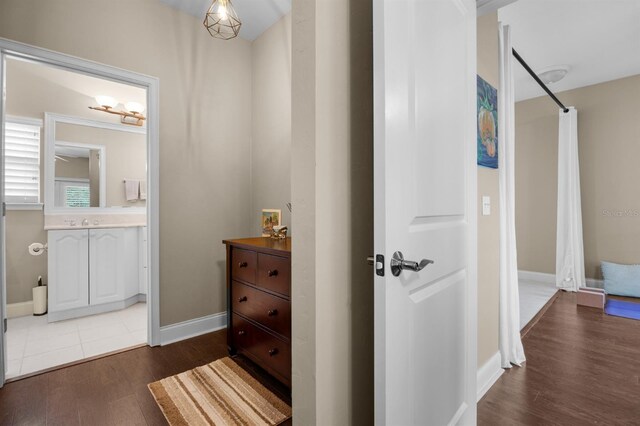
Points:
(95, 270)
(259, 303)
(96, 231)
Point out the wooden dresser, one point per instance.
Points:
(259, 303)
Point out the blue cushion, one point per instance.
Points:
(621, 280)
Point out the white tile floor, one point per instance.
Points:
(34, 345)
(533, 296)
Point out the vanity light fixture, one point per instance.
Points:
(222, 20)
(132, 114)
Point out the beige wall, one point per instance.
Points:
(24, 228)
(488, 226)
(205, 127)
(332, 177)
(609, 146)
(74, 167)
(271, 122)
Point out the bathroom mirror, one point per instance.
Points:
(91, 165)
(79, 175)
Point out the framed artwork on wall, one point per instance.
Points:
(487, 100)
(270, 218)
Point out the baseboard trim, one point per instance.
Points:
(488, 374)
(19, 309)
(591, 282)
(192, 328)
(92, 309)
(551, 278)
(541, 277)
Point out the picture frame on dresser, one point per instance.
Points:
(270, 219)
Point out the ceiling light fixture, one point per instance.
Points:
(131, 116)
(553, 74)
(222, 20)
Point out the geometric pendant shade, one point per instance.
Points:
(222, 20)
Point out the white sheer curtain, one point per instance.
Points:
(511, 349)
(569, 245)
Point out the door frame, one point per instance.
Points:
(13, 49)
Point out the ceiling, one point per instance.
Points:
(256, 15)
(598, 39)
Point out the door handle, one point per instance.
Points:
(398, 264)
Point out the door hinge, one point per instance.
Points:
(5, 325)
(4, 209)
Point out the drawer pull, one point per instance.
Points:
(242, 299)
(241, 333)
(272, 312)
(273, 351)
(242, 264)
(273, 273)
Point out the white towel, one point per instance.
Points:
(131, 189)
(143, 189)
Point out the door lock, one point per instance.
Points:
(379, 262)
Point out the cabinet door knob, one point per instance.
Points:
(241, 333)
(242, 264)
(242, 299)
(273, 351)
(273, 273)
(272, 312)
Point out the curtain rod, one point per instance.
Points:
(540, 82)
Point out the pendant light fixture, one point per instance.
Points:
(222, 20)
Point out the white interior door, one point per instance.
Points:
(425, 207)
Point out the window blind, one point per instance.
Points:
(22, 163)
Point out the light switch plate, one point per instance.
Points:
(486, 205)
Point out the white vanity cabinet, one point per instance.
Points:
(93, 271)
(68, 264)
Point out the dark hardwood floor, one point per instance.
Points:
(583, 367)
(112, 390)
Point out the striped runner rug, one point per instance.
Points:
(220, 393)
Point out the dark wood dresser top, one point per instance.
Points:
(263, 244)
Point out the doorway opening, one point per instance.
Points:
(79, 187)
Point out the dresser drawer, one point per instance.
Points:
(271, 311)
(243, 265)
(274, 273)
(272, 352)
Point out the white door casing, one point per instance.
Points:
(425, 206)
(68, 269)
